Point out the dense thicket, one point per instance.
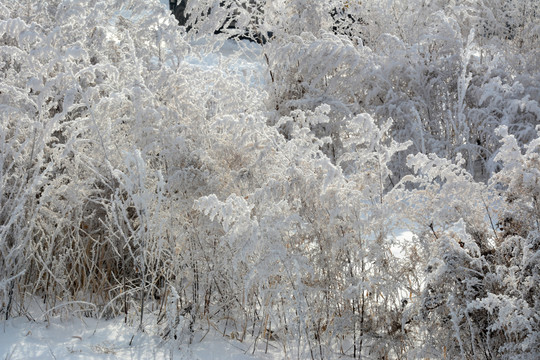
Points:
(136, 181)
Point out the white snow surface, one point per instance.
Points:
(88, 338)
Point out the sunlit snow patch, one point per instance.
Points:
(240, 57)
(89, 338)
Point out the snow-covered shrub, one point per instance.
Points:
(439, 79)
(447, 209)
(480, 251)
(23, 173)
(83, 87)
(306, 240)
(518, 182)
(136, 179)
(515, 329)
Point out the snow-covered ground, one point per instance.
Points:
(88, 338)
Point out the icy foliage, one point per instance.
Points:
(141, 181)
